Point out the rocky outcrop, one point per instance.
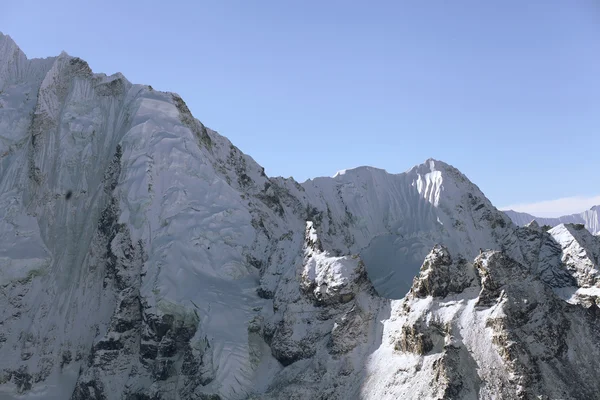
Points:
(440, 276)
(535, 338)
(325, 309)
(495, 270)
(533, 331)
(580, 253)
(330, 280)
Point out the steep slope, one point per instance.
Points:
(105, 291)
(143, 256)
(497, 332)
(581, 257)
(589, 218)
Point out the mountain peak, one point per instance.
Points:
(361, 170)
(7, 46)
(429, 165)
(9, 51)
(433, 162)
(446, 170)
(6, 38)
(435, 165)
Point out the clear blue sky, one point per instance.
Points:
(507, 91)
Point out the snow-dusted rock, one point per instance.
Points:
(580, 252)
(510, 336)
(329, 279)
(441, 276)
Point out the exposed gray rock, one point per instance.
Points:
(440, 276)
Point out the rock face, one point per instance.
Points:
(440, 276)
(506, 334)
(143, 256)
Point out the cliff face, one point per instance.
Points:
(143, 256)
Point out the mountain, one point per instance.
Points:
(144, 256)
(589, 218)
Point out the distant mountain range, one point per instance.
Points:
(590, 218)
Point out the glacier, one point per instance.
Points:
(144, 256)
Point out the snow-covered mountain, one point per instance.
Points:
(589, 218)
(144, 256)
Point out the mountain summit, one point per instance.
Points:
(144, 256)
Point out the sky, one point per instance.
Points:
(507, 91)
